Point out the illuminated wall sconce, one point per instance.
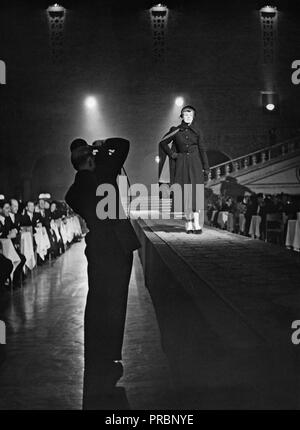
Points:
(268, 16)
(56, 18)
(268, 11)
(45, 196)
(270, 102)
(159, 18)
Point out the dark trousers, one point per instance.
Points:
(17, 276)
(53, 250)
(247, 223)
(6, 267)
(109, 273)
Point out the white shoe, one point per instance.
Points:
(197, 227)
(189, 227)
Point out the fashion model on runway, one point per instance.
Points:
(188, 166)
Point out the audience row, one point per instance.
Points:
(242, 209)
(17, 218)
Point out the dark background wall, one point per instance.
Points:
(213, 58)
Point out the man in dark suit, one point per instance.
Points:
(14, 214)
(44, 214)
(109, 250)
(30, 218)
(10, 229)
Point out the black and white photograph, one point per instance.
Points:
(149, 208)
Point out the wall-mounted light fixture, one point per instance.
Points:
(268, 16)
(159, 18)
(56, 18)
(268, 12)
(269, 101)
(46, 196)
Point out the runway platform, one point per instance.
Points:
(225, 305)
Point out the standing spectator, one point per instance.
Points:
(241, 209)
(231, 208)
(261, 211)
(251, 207)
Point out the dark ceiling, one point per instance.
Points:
(121, 5)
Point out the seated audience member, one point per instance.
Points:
(47, 207)
(44, 214)
(45, 219)
(56, 214)
(14, 214)
(54, 211)
(30, 218)
(15, 221)
(54, 250)
(9, 230)
(5, 220)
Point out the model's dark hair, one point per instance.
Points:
(190, 107)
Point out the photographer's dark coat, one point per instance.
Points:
(82, 198)
(109, 251)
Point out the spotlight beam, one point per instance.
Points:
(91, 102)
(179, 101)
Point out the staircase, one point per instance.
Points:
(273, 169)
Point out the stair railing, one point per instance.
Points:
(256, 158)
